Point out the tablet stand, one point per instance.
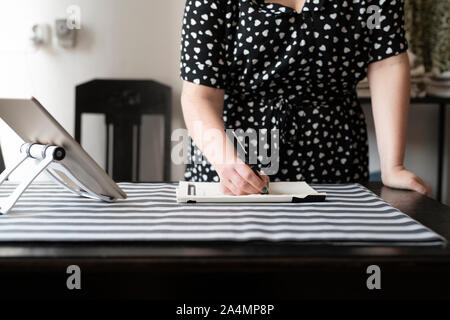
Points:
(48, 158)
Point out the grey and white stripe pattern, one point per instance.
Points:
(351, 215)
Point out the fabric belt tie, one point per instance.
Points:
(282, 114)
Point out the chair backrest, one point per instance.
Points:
(124, 102)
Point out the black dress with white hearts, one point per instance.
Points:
(295, 72)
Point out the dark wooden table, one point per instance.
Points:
(247, 270)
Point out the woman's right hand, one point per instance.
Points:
(238, 179)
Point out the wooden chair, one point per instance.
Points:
(124, 102)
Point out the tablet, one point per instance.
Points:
(33, 123)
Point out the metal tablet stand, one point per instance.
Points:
(48, 159)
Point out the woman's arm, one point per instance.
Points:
(389, 81)
(202, 109)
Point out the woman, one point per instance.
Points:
(293, 66)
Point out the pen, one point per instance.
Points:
(255, 170)
(252, 166)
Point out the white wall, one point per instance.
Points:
(118, 39)
(134, 39)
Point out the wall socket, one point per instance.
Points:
(65, 36)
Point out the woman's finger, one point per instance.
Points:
(428, 189)
(265, 178)
(234, 182)
(418, 185)
(243, 185)
(237, 186)
(235, 191)
(226, 181)
(251, 178)
(425, 185)
(224, 189)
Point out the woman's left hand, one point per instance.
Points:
(400, 178)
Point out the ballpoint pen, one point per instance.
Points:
(252, 166)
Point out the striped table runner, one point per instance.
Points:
(351, 215)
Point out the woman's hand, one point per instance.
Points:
(390, 90)
(400, 178)
(238, 179)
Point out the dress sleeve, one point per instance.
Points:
(203, 43)
(390, 38)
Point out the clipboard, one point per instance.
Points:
(279, 192)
